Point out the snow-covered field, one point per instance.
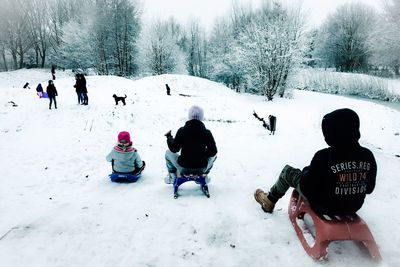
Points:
(58, 207)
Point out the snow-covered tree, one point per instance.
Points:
(76, 49)
(15, 32)
(225, 65)
(115, 33)
(160, 51)
(344, 37)
(61, 12)
(38, 20)
(385, 41)
(197, 58)
(3, 39)
(271, 47)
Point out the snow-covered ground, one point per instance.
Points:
(58, 207)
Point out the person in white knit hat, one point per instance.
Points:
(197, 146)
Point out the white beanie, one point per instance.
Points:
(196, 113)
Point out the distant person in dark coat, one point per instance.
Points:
(77, 89)
(39, 90)
(168, 89)
(338, 178)
(197, 146)
(53, 71)
(52, 93)
(81, 87)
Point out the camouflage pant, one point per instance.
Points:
(289, 177)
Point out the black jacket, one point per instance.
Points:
(337, 181)
(340, 176)
(196, 142)
(80, 84)
(39, 88)
(51, 90)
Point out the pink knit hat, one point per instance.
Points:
(124, 137)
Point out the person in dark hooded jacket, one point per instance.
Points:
(39, 90)
(338, 178)
(81, 89)
(52, 93)
(197, 146)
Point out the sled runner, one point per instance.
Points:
(329, 228)
(124, 178)
(197, 178)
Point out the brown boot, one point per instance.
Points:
(262, 198)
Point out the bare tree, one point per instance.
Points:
(197, 59)
(3, 54)
(225, 65)
(3, 39)
(15, 30)
(125, 30)
(159, 49)
(344, 37)
(116, 29)
(385, 41)
(38, 20)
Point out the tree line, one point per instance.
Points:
(250, 49)
(356, 38)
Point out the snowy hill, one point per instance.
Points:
(58, 207)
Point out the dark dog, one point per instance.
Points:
(26, 86)
(119, 98)
(271, 126)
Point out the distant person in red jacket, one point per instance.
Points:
(338, 178)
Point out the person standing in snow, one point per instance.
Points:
(168, 89)
(197, 146)
(77, 89)
(338, 178)
(124, 158)
(52, 93)
(53, 72)
(81, 89)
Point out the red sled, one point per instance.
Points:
(329, 228)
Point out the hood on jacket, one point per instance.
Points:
(196, 113)
(341, 128)
(194, 124)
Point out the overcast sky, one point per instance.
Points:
(207, 10)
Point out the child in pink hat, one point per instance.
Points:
(125, 158)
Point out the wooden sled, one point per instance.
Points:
(330, 228)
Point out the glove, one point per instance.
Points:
(168, 134)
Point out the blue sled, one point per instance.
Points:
(198, 179)
(124, 178)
